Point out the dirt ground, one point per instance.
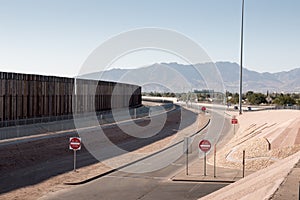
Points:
(271, 143)
(254, 133)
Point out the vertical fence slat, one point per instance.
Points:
(25, 96)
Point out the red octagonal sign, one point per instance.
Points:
(234, 121)
(75, 143)
(204, 145)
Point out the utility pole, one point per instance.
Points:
(241, 60)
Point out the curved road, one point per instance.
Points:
(31, 162)
(151, 185)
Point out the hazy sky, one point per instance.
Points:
(56, 36)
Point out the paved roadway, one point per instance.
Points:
(151, 185)
(30, 162)
(155, 185)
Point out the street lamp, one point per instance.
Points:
(241, 60)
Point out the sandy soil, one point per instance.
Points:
(259, 131)
(259, 185)
(256, 130)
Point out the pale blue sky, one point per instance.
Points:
(56, 36)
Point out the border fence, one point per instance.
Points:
(28, 98)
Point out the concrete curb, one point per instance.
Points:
(203, 180)
(92, 178)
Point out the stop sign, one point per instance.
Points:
(75, 143)
(203, 108)
(234, 121)
(204, 145)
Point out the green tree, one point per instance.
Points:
(249, 93)
(234, 98)
(284, 99)
(256, 98)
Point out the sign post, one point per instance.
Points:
(74, 160)
(204, 146)
(215, 154)
(75, 144)
(234, 121)
(243, 163)
(186, 151)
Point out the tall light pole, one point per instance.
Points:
(241, 61)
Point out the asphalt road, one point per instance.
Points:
(155, 185)
(151, 185)
(31, 162)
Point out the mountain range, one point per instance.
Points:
(285, 81)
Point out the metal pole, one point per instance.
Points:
(233, 129)
(187, 162)
(215, 152)
(299, 191)
(269, 144)
(243, 163)
(186, 151)
(204, 163)
(74, 160)
(241, 60)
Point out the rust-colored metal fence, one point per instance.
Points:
(24, 97)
